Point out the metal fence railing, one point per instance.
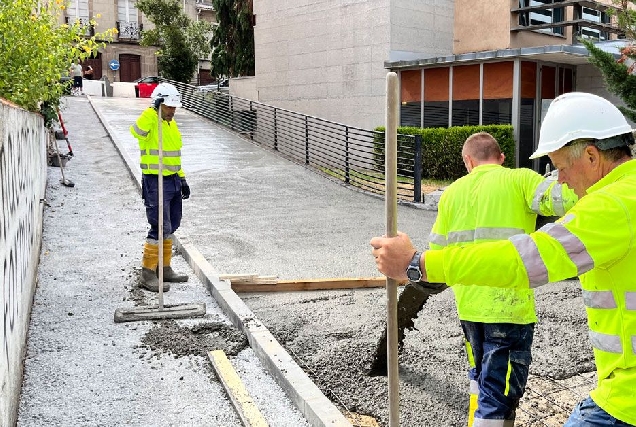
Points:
(352, 155)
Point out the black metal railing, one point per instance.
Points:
(351, 155)
(129, 30)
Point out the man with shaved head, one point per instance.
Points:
(493, 203)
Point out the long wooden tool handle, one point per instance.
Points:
(160, 207)
(392, 105)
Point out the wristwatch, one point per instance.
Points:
(413, 271)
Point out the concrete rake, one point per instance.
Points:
(160, 311)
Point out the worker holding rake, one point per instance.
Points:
(175, 187)
(589, 142)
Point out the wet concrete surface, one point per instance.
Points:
(254, 212)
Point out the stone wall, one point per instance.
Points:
(22, 188)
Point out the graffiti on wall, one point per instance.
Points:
(22, 178)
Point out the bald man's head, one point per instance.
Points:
(480, 149)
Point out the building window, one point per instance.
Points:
(128, 20)
(595, 16)
(465, 95)
(77, 10)
(436, 81)
(542, 15)
(411, 97)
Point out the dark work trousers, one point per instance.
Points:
(502, 355)
(171, 203)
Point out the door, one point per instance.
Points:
(129, 67)
(96, 63)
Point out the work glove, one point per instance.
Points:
(185, 189)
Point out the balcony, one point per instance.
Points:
(204, 5)
(589, 18)
(84, 21)
(129, 31)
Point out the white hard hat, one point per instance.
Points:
(579, 115)
(168, 93)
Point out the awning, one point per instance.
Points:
(559, 54)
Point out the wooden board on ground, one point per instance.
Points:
(358, 420)
(307, 284)
(236, 391)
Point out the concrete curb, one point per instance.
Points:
(310, 401)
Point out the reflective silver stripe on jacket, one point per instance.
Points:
(634, 343)
(473, 387)
(535, 267)
(556, 195)
(438, 239)
(166, 153)
(599, 299)
(156, 167)
(479, 422)
(630, 300)
(140, 131)
(606, 342)
(573, 246)
(466, 236)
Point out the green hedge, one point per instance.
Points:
(441, 149)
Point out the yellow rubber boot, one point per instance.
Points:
(169, 274)
(149, 262)
(472, 407)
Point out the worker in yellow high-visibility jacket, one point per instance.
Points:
(588, 140)
(175, 187)
(493, 203)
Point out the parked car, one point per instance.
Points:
(145, 85)
(222, 85)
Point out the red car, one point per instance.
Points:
(145, 85)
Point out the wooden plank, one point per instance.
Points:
(249, 278)
(241, 399)
(311, 284)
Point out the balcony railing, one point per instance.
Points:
(70, 20)
(580, 17)
(129, 30)
(204, 4)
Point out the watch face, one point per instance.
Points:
(413, 274)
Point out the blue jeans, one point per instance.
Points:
(589, 414)
(502, 356)
(171, 204)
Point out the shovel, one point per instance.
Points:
(64, 181)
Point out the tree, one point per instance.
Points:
(233, 39)
(181, 41)
(617, 74)
(35, 51)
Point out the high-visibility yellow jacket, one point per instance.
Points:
(146, 130)
(493, 203)
(596, 240)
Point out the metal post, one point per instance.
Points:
(252, 125)
(275, 132)
(417, 170)
(347, 154)
(306, 141)
(392, 106)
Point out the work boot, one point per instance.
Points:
(150, 282)
(169, 275)
(149, 263)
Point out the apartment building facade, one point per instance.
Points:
(460, 62)
(134, 60)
